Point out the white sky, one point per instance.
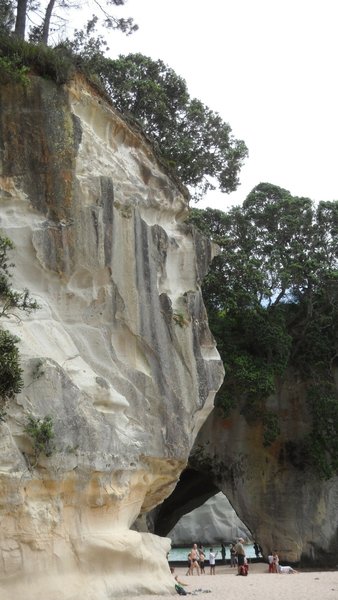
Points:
(269, 67)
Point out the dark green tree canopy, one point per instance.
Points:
(275, 249)
(272, 299)
(193, 139)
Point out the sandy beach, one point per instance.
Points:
(258, 585)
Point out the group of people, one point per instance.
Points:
(197, 557)
(196, 560)
(275, 567)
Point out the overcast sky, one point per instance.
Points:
(269, 67)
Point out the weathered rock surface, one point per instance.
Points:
(286, 507)
(119, 353)
(278, 496)
(213, 522)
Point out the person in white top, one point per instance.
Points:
(212, 561)
(270, 561)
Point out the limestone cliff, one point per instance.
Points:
(119, 353)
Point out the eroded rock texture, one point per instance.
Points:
(119, 353)
(212, 523)
(285, 505)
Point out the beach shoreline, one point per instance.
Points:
(258, 585)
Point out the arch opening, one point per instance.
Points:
(198, 510)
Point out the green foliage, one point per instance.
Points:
(271, 427)
(41, 433)
(193, 139)
(12, 72)
(179, 318)
(56, 64)
(87, 48)
(322, 443)
(272, 300)
(10, 299)
(6, 16)
(10, 372)
(38, 371)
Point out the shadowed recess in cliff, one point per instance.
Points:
(192, 490)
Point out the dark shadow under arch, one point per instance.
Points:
(193, 489)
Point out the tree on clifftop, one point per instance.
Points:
(193, 139)
(40, 31)
(272, 300)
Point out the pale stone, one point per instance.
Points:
(213, 522)
(119, 353)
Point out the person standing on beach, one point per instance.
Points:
(201, 561)
(232, 556)
(212, 561)
(189, 565)
(194, 560)
(200, 548)
(223, 552)
(240, 553)
(270, 561)
(275, 562)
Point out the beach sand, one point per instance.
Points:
(258, 585)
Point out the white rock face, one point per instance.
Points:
(213, 522)
(119, 353)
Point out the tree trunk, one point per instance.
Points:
(46, 22)
(20, 22)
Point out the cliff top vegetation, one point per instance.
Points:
(193, 140)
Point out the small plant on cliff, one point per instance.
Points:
(179, 319)
(41, 433)
(10, 300)
(37, 370)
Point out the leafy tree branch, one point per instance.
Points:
(272, 300)
(194, 140)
